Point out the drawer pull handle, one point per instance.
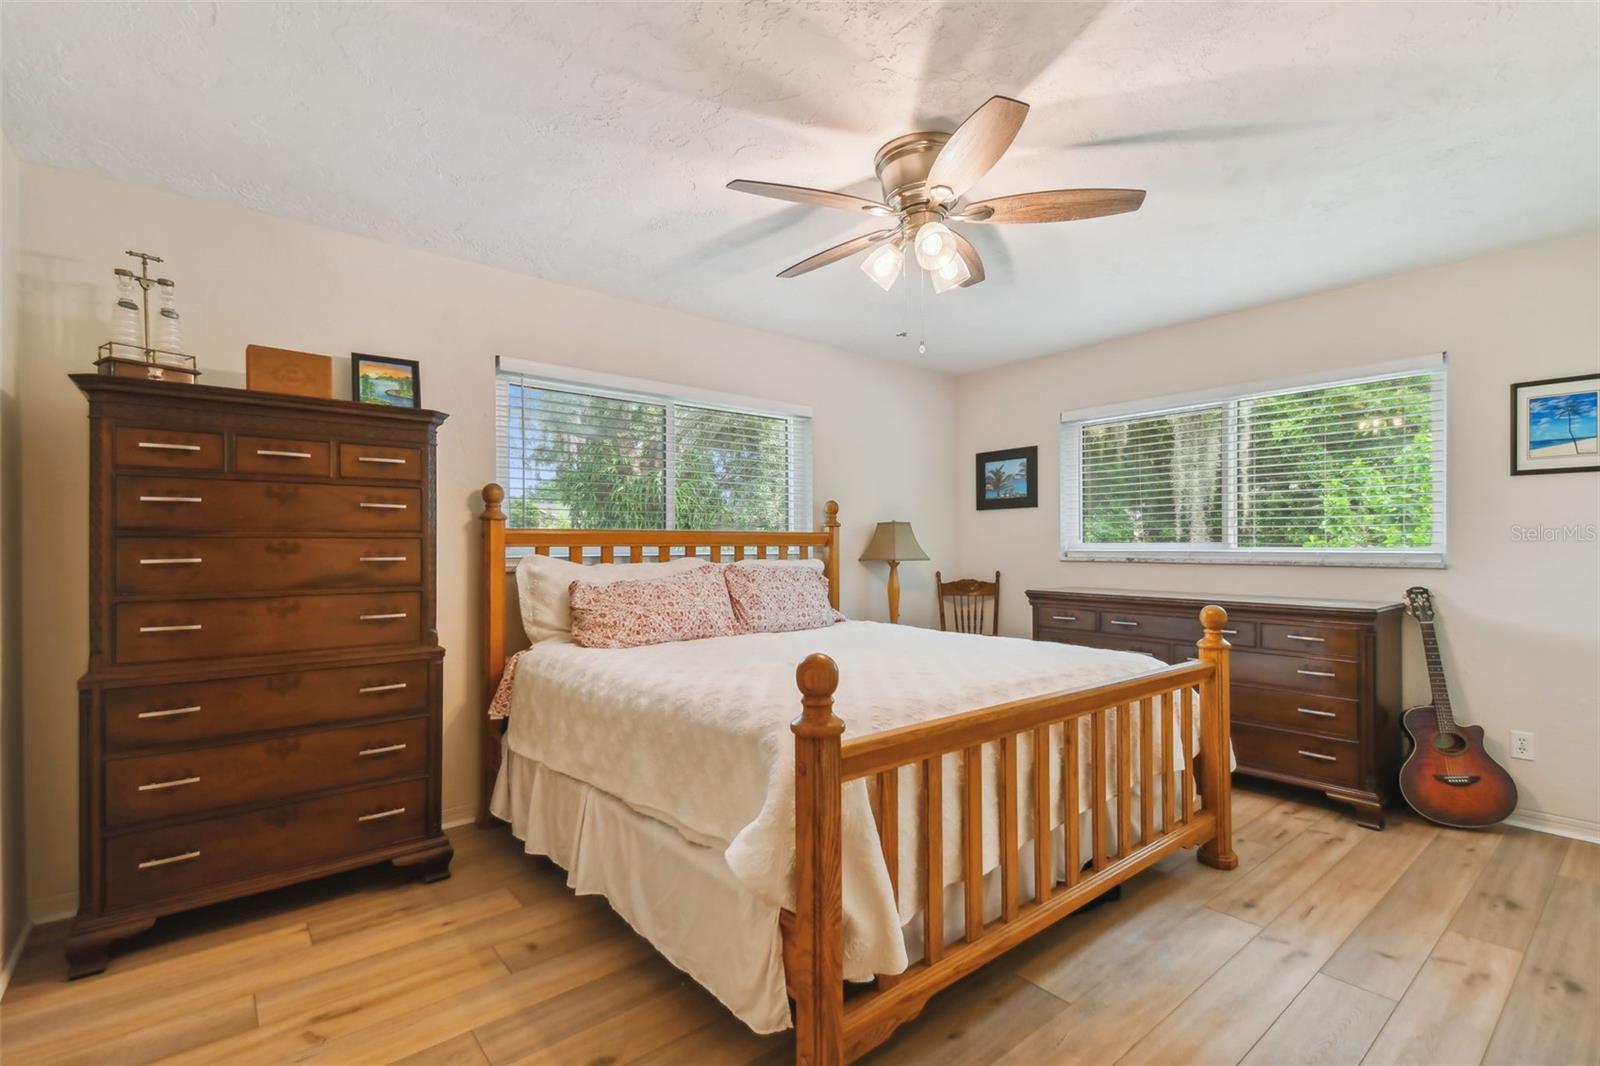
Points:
(382, 688)
(276, 454)
(1308, 640)
(1318, 755)
(1120, 622)
(169, 499)
(185, 857)
(1317, 673)
(159, 446)
(170, 712)
(390, 813)
(388, 617)
(384, 506)
(191, 561)
(383, 558)
(386, 749)
(1230, 632)
(174, 783)
(170, 629)
(1316, 713)
(380, 459)
(1064, 617)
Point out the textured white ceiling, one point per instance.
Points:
(1286, 148)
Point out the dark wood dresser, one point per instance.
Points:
(262, 704)
(1316, 683)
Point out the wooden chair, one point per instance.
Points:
(972, 601)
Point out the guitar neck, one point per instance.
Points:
(1436, 682)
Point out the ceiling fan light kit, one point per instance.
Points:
(925, 176)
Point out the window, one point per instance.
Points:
(586, 456)
(1344, 472)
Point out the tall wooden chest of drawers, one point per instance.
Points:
(1316, 683)
(262, 704)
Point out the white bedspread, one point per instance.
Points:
(696, 734)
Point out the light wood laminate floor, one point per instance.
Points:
(1329, 944)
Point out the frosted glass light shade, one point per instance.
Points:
(950, 275)
(883, 265)
(935, 245)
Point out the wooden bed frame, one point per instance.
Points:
(829, 1030)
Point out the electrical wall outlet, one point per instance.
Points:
(1521, 745)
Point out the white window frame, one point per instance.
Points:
(1073, 422)
(617, 386)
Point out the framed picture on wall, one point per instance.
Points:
(390, 382)
(1553, 425)
(1008, 478)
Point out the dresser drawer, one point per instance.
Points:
(195, 711)
(147, 788)
(1295, 710)
(1334, 641)
(166, 864)
(264, 506)
(1047, 617)
(1326, 677)
(282, 456)
(165, 449)
(163, 566)
(1139, 623)
(165, 630)
(1336, 762)
(1112, 642)
(370, 461)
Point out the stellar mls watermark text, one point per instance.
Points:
(1573, 533)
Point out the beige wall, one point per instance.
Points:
(13, 898)
(1520, 622)
(243, 277)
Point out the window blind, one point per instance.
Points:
(1341, 471)
(576, 456)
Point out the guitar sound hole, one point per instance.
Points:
(1450, 743)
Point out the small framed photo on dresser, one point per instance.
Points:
(1008, 478)
(389, 382)
(1553, 425)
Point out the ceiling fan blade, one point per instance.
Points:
(976, 146)
(838, 252)
(1057, 205)
(799, 194)
(969, 256)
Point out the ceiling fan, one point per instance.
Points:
(925, 177)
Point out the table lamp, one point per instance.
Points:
(893, 543)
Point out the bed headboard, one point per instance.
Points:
(612, 546)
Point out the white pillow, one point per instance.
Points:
(543, 586)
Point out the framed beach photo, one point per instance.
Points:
(1008, 478)
(1553, 425)
(390, 382)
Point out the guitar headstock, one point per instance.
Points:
(1419, 603)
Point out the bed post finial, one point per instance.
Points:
(1216, 788)
(819, 885)
(492, 495)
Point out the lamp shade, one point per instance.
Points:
(893, 542)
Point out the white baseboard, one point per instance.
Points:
(11, 959)
(465, 814)
(1558, 824)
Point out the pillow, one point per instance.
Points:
(542, 584)
(690, 605)
(779, 599)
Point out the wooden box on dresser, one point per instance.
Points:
(262, 704)
(1315, 683)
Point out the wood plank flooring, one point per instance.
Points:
(1329, 944)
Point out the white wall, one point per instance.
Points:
(13, 909)
(1519, 622)
(882, 446)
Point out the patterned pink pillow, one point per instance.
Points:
(779, 599)
(627, 614)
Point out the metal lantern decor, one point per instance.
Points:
(137, 348)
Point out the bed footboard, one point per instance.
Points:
(827, 1030)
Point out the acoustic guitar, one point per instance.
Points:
(1448, 778)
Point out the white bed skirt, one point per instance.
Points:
(682, 897)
